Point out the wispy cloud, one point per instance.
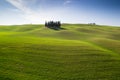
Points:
(67, 2)
(27, 12)
(20, 4)
(37, 16)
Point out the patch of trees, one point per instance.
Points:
(92, 23)
(53, 25)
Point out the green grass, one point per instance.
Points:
(79, 52)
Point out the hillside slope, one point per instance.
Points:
(77, 52)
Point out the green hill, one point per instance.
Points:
(77, 52)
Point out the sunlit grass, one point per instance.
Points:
(79, 52)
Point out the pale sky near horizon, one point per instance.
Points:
(104, 12)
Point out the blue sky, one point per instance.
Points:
(104, 12)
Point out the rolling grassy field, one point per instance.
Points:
(78, 52)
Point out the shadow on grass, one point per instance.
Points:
(5, 78)
(57, 29)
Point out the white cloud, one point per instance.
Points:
(27, 13)
(38, 16)
(67, 2)
(20, 4)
